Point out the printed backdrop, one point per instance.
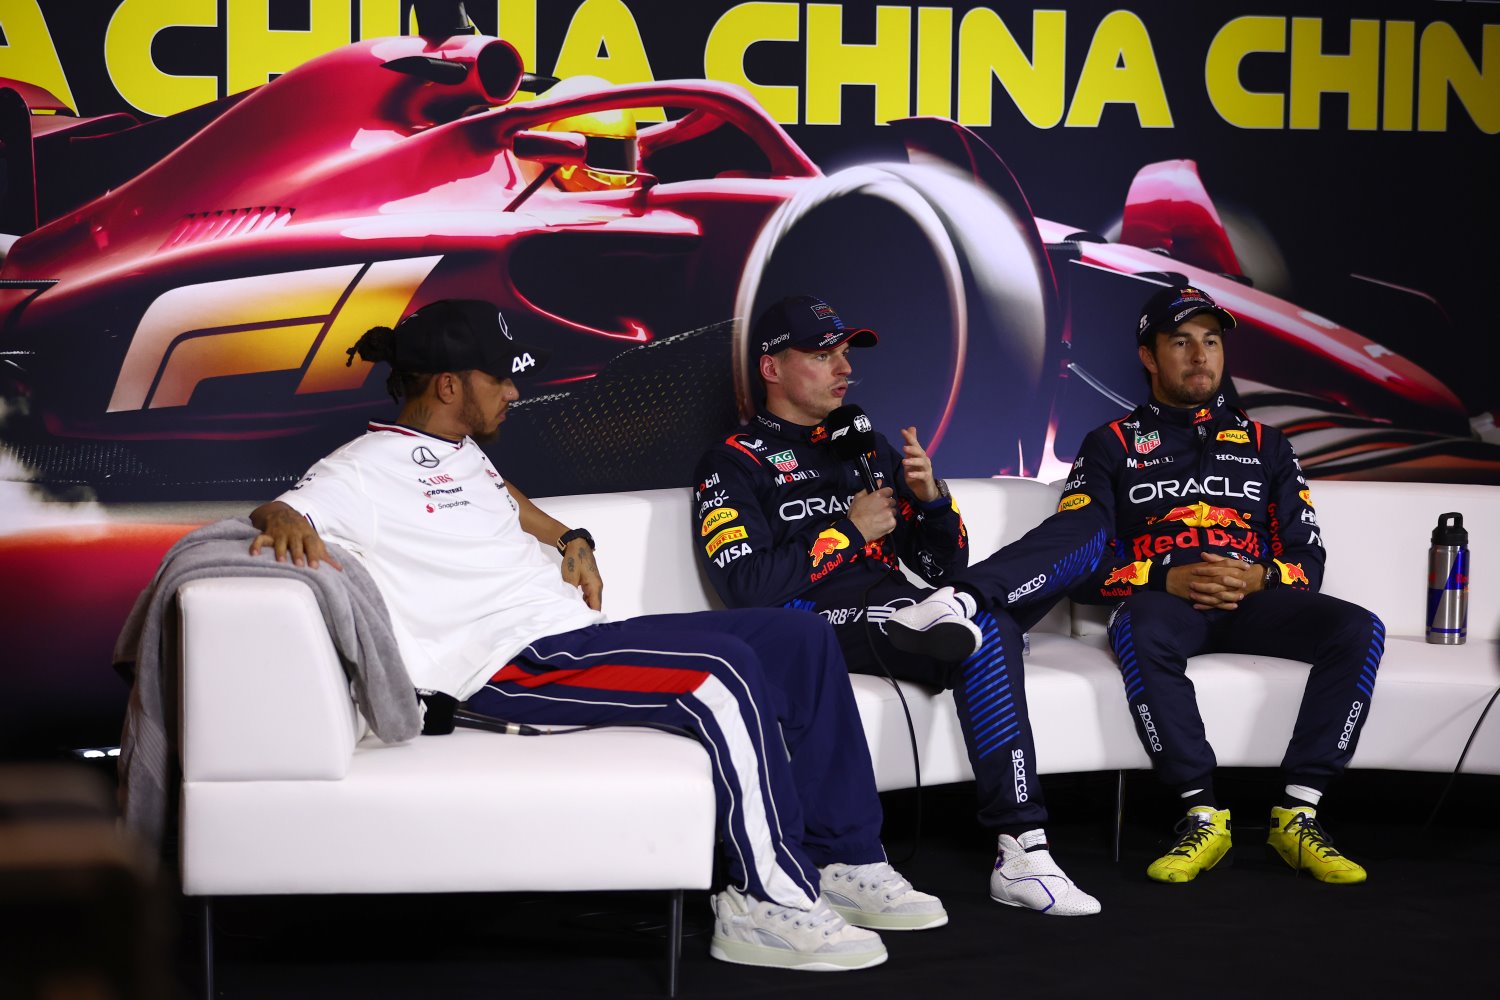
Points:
(205, 201)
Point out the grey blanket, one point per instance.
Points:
(147, 650)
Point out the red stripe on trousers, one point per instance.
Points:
(609, 677)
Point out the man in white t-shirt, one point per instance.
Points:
(483, 616)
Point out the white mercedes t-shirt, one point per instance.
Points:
(466, 587)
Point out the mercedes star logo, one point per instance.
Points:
(424, 457)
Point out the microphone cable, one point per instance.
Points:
(911, 729)
(1443, 796)
(468, 719)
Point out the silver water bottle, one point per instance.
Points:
(1448, 582)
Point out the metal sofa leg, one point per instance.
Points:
(674, 941)
(1119, 809)
(208, 948)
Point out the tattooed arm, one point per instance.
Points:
(578, 566)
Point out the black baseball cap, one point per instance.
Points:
(454, 335)
(806, 323)
(1170, 307)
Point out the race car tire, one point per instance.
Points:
(946, 273)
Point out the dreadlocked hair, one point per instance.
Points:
(379, 344)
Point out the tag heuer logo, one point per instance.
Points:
(1147, 443)
(784, 460)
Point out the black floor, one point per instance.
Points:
(1425, 920)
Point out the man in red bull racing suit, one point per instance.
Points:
(780, 519)
(1217, 548)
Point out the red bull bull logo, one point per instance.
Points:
(826, 544)
(1205, 515)
(1202, 416)
(1136, 574)
(1291, 572)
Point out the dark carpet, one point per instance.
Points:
(1424, 921)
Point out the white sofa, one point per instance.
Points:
(282, 794)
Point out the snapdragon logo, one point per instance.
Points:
(1350, 723)
(1018, 773)
(1144, 711)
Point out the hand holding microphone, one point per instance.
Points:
(853, 437)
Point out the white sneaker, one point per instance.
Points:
(1031, 879)
(750, 931)
(878, 896)
(938, 627)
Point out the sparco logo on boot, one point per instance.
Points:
(1144, 711)
(1350, 723)
(1018, 773)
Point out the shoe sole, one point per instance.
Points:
(1051, 911)
(1332, 880)
(949, 641)
(744, 953)
(890, 921)
(1226, 859)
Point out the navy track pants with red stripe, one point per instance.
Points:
(765, 690)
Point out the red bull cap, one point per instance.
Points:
(1171, 307)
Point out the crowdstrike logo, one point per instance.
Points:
(1350, 723)
(1144, 711)
(1018, 774)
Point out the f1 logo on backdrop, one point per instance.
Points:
(266, 323)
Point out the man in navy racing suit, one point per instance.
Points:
(782, 520)
(1216, 548)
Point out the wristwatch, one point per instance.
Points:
(943, 499)
(1272, 577)
(574, 533)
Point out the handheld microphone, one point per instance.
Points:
(853, 436)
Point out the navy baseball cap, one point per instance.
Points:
(454, 335)
(1171, 307)
(806, 323)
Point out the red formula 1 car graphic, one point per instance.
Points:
(177, 296)
(176, 312)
